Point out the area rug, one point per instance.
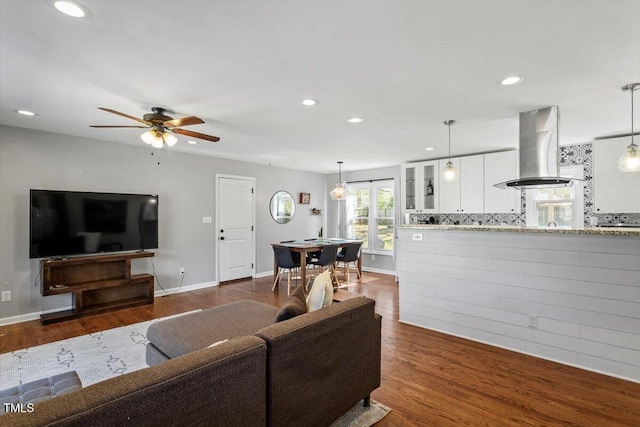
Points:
(102, 355)
(95, 357)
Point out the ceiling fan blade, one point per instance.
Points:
(109, 126)
(185, 121)
(109, 110)
(195, 134)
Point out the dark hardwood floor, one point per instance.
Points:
(428, 378)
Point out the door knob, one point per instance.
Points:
(222, 231)
(222, 238)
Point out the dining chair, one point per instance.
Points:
(294, 255)
(284, 261)
(327, 258)
(350, 254)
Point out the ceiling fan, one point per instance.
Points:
(161, 127)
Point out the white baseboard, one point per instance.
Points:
(181, 289)
(263, 274)
(30, 316)
(158, 293)
(378, 270)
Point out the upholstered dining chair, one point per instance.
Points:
(350, 254)
(327, 258)
(284, 261)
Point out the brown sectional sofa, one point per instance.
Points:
(308, 371)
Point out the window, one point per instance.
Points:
(370, 214)
(561, 207)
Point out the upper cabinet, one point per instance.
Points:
(420, 187)
(472, 184)
(500, 167)
(423, 190)
(613, 191)
(465, 194)
(449, 190)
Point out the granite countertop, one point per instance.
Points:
(612, 231)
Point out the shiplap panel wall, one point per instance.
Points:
(584, 290)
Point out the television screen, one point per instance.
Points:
(78, 223)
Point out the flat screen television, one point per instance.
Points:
(80, 223)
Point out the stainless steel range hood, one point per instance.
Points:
(539, 152)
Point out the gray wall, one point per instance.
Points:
(383, 263)
(185, 184)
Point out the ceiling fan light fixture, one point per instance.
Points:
(169, 139)
(630, 160)
(149, 137)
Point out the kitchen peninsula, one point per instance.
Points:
(571, 296)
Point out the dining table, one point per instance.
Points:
(313, 245)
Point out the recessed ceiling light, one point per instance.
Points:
(192, 142)
(25, 112)
(508, 81)
(355, 120)
(72, 8)
(429, 148)
(310, 102)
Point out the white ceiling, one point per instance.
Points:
(245, 66)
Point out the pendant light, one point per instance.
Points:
(340, 192)
(450, 172)
(630, 160)
(156, 137)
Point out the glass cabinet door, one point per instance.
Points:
(429, 174)
(410, 183)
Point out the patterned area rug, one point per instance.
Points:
(102, 355)
(95, 357)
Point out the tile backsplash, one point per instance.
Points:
(581, 154)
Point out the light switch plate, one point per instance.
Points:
(417, 237)
(206, 220)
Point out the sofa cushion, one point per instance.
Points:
(185, 334)
(321, 293)
(294, 305)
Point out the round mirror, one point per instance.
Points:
(282, 207)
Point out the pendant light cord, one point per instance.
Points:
(632, 89)
(449, 141)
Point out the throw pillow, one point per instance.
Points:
(321, 293)
(293, 306)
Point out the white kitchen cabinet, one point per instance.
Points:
(465, 194)
(500, 167)
(420, 187)
(613, 191)
(449, 190)
(472, 184)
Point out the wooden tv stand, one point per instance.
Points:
(98, 283)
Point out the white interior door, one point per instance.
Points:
(235, 206)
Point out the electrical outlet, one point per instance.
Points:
(373, 257)
(6, 296)
(182, 271)
(533, 321)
